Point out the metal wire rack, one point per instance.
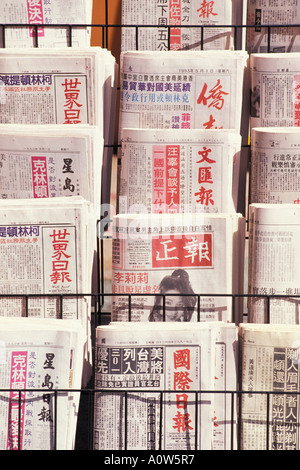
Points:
(100, 315)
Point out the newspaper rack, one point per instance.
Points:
(100, 315)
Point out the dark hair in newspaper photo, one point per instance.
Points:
(177, 307)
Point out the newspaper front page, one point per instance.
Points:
(179, 170)
(275, 165)
(270, 363)
(48, 14)
(162, 262)
(163, 370)
(197, 25)
(38, 358)
(275, 85)
(45, 161)
(182, 89)
(75, 86)
(47, 250)
(65, 86)
(277, 39)
(274, 231)
(43, 247)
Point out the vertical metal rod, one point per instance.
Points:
(196, 421)
(137, 38)
(70, 35)
(160, 420)
(232, 433)
(268, 418)
(55, 419)
(126, 421)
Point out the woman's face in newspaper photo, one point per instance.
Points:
(174, 307)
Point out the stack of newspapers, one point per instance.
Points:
(41, 361)
(56, 113)
(269, 357)
(19, 15)
(73, 86)
(177, 267)
(178, 235)
(273, 276)
(274, 231)
(151, 378)
(269, 342)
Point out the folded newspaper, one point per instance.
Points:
(182, 170)
(270, 386)
(274, 275)
(167, 372)
(275, 86)
(173, 25)
(65, 86)
(177, 267)
(51, 160)
(47, 14)
(41, 361)
(183, 90)
(284, 38)
(275, 163)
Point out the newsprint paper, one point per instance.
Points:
(274, 274)
(196, 24)
(73, 86)
(275, 85)
(284, 38)
(161, 262)
(182, 89)
(182, 362)
(48, 14)
(46, 249)
(275, 165)
(51, 160)
(37, 358)
(179, 170)
(270, 363)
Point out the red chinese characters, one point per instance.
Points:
(60, 256)
(185, 251)
(173, 177)
(204, 195)
(213, 97)
(166, 178)
(297, 101)
(175, 19)
(206, 9)
(72, 105)
(35, 16)
(39, 177)
(182, 382)
(158, 178)
(18, 375)
(131, 283)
